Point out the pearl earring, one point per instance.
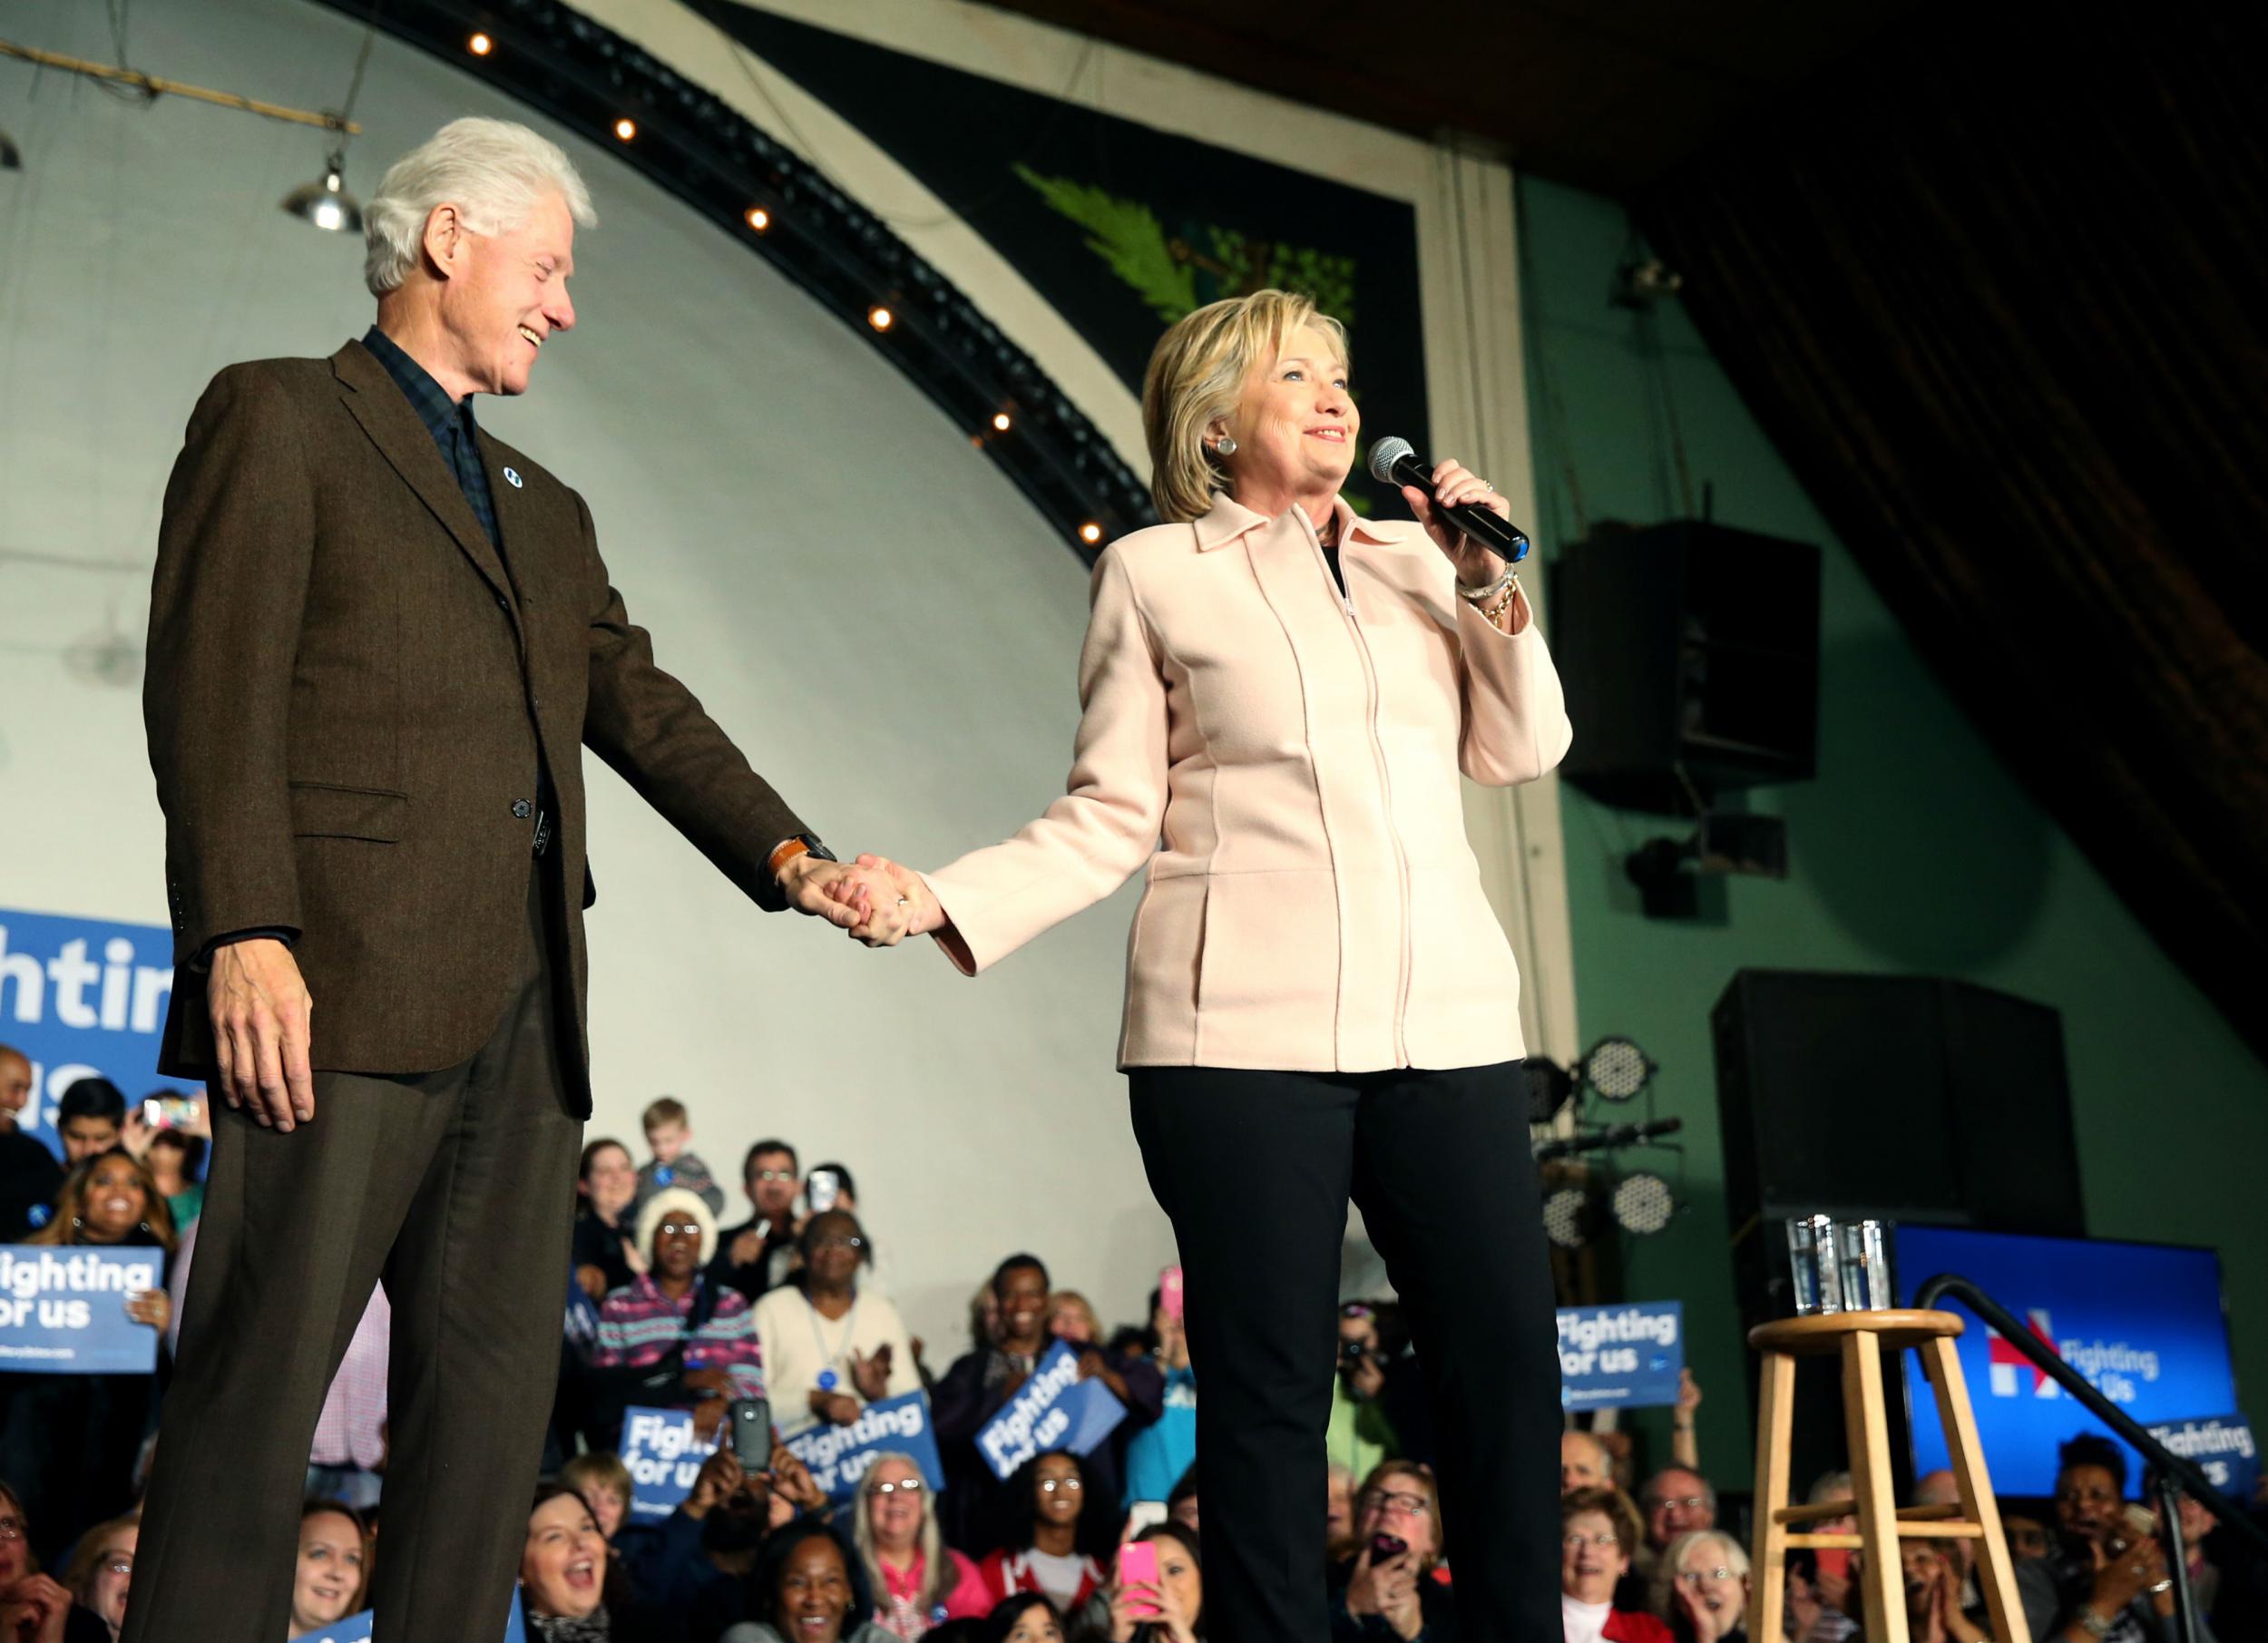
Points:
(1226, 446)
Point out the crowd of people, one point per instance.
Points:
(668, 1309)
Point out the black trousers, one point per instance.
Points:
(1255, 1169)
(455, 1187)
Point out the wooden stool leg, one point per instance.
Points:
(1884, 1577)
(1996, 1574)
(1767, 1579)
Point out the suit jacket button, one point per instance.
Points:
(503, 604)
(522, 808)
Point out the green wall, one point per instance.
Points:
(1913, 851)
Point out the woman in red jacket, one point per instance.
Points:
(1595, 1549)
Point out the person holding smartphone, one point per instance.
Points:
(1280, 700)
(1381, 1577)
(1156, 1595)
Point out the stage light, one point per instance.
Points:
(1616, 1070)
(1567, 1217)
(880, 318)
(479, 45)
(1090, 532)
(328, 204)
(626, 128)
(758, 218)
(1548, 1088)
(999, 422)
(1643, 1204)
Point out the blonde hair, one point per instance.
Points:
(1197, 373)
(943, 1576)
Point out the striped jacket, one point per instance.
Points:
(638, 1325)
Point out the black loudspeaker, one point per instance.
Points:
(1690, 655)
(1888, 1098)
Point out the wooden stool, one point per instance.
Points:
(1861, 1338)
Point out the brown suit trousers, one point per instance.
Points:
(355, 703)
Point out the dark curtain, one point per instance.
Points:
(1997, 289)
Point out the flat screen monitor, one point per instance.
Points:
(2143, 1322)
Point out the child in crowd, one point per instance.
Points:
(670, 1136)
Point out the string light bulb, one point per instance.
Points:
(999, 422)
(1090, 532)
(880, 318)
(479, 45)
(625, 128)
(758, 218)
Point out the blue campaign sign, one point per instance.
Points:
(838, 1456)
(2221, 1445)
(1053, 1410)
(356, 1629)
(2142, 1321)
(63, 1309)
(82, 996)
(664, 1457)
(1621, 1357)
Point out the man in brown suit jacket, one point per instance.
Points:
(378, 640)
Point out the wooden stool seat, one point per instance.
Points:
(1899, 1328)
(1858, 1339)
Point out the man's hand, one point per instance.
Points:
(791, 1480)
(835, 1408)
(745, 1246)
(718, 1480)
(851, 895)
(261, 1027)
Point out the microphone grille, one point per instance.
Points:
(1384, 455)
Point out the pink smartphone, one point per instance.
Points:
(1138, 1566)
(1170, 1292)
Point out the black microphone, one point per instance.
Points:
(1394, 462)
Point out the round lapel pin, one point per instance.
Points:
(512, 478)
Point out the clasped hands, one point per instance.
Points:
(875, 900)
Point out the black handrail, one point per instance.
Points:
(2178, 1473)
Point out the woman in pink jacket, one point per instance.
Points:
(1278, 697)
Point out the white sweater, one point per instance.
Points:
(799, 1343)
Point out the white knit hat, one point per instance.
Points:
(669, 1203)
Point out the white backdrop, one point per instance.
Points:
(855, 591)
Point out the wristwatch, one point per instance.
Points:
(793, 845)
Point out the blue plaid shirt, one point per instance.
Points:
(451, 425)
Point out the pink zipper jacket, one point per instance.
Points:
(1286, 760)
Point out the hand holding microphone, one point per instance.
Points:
(1460, 511)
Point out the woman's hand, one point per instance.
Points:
(1124, 1601)
(1362, 1586)
(1699, 1620)
(921, 915)
(1175, 1621)
(1398, 1600)
(593, 1281)
(2122, 1573)
(1454, 486)
(34, 1610)
(871, 1376)
(151, 1306)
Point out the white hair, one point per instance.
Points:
(493, 171)
(1729, 1553)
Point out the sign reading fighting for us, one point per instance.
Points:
(1053, 1410)
(1621, 1357)
(63, 1309)
(664, 1456)
(838, 1456)
(82, 996)
(2222, 1448)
